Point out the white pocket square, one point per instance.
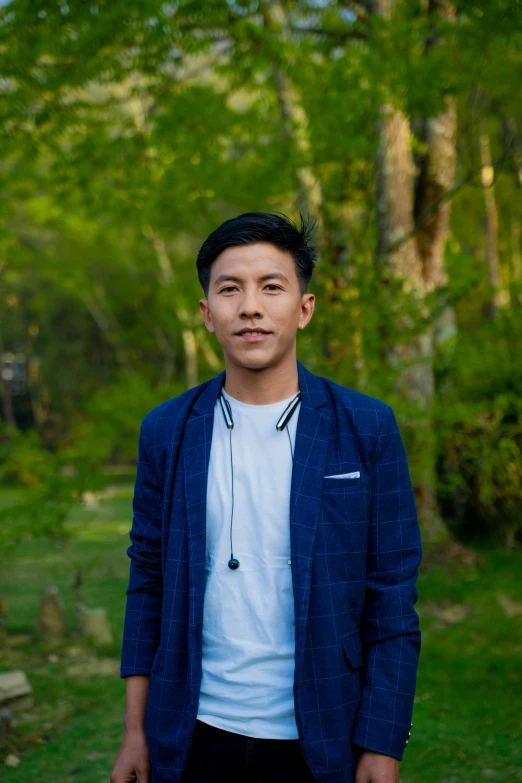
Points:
(355, 474)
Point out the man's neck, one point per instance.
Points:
(263, 386)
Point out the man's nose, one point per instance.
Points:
(251, 302)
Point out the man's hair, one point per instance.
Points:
(252, 227)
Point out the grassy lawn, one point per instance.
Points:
(467, 721)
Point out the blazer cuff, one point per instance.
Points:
(381, 736)
(129, 671)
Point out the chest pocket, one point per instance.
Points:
(343, 485)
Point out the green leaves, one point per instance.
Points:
(130, 130)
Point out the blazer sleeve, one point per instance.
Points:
(390, 629)
(142, 620)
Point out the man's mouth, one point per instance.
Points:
(253, 336)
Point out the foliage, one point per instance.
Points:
(129, 131)
(52, 484)
(479, 432)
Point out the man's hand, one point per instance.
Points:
(133, 761)
(376, 768)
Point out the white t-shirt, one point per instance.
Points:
(248, 613)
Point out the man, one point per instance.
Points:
(270, 630)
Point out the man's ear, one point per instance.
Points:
(308, 303)
(205, 312)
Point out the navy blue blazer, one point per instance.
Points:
(355, 554)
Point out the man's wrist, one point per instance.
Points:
(378, 753)
(361, 750)
(134, 725)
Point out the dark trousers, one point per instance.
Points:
(218, 756)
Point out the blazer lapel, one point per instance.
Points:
(310, 450)
(311, 443)
(196, 454)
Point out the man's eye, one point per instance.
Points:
(269, 285)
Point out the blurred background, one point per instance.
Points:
(128, 132)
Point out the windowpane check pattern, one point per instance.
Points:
(355, 554)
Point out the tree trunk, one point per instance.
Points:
(416, 257)
(437, 177)
(516, 260)
(309, 199)
(191, 358)
(310, 194)
(5, 381)
(487, 177)
(99, 308)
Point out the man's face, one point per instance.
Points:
(239, 298)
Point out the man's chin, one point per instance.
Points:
(252, 359)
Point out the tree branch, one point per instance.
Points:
(358, 9)
(341, 35)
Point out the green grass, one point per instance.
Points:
(467, 720)
(467, 714)
(74, 731)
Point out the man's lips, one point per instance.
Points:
(254, 338)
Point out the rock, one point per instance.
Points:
(509, 605)
(94, 623)
(451, 613)
(52, 620)
(90, 501)
(11, 760)
(15, 691)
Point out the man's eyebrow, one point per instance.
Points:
(269, 276)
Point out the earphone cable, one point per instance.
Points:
(232, 514)
(290, 440)
(233, 563)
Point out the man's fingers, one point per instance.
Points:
(143, 774)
